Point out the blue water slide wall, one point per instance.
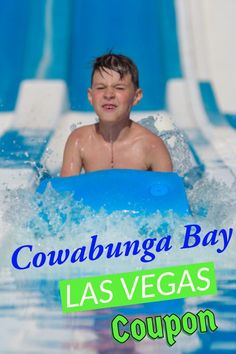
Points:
(13, 32)
(210, 104)
(50, 32)
(23, 33)
(75, 32)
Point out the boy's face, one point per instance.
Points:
(112, 97)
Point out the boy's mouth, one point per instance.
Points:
(109, 107)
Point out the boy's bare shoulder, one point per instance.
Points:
(146, 134)
(157, 155)
(81, 132)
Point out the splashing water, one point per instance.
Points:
(54, 222)
(174, 140)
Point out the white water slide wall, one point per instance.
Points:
(205, 30)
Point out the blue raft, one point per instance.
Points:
(126, 190)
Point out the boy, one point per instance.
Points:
(115, 141)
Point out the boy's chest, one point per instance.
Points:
(128, 155)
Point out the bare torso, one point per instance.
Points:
(137, 148)
(98, 154)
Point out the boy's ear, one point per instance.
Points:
(138, 96)
(90, 96)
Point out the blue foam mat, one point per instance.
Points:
(129, 190)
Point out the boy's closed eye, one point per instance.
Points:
(100, 87)
(120, 87)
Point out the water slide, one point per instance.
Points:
(186, 61)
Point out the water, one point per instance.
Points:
(30, 309)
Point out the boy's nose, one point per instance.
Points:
(109, 93)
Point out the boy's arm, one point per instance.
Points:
(159, 157)
(72, 162)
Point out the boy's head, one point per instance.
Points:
(119, 63)
(114, 87)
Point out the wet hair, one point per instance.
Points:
(119, 63)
